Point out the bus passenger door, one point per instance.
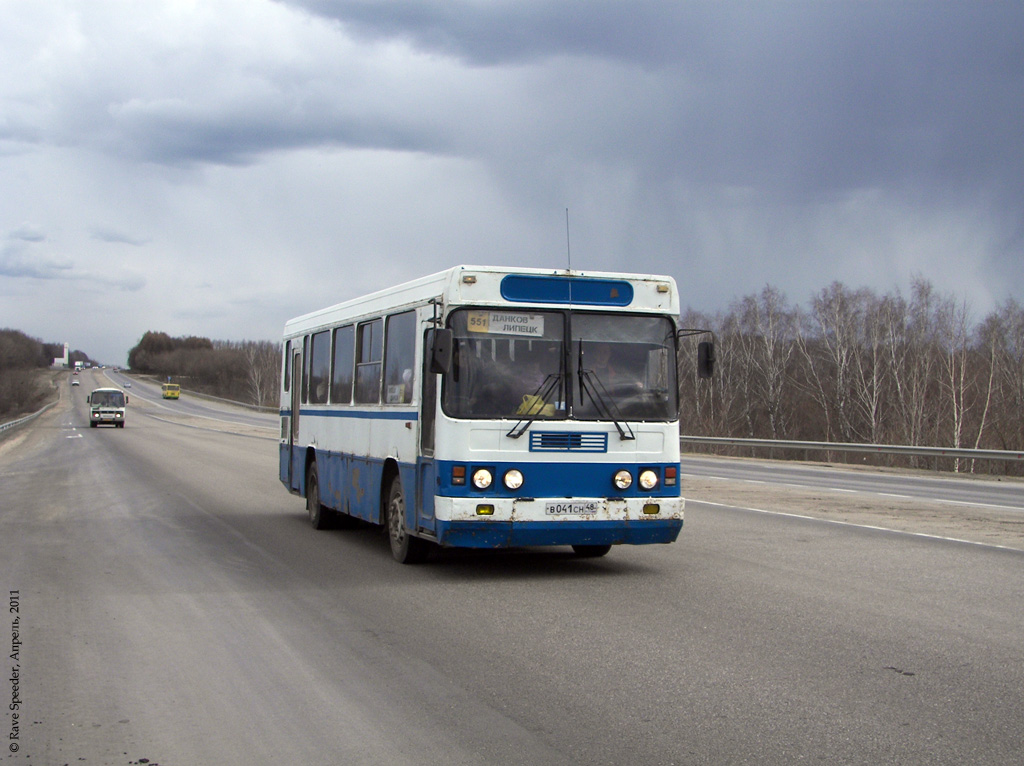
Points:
(426, 481)
(295, 477)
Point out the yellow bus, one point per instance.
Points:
(171, 390)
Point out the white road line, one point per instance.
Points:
(810, 488)
(854, 524)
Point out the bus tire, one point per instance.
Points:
(404, 547)
(590, 551)
(319, 516)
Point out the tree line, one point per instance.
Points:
(858, 367)
(21, 359)
(245, 371)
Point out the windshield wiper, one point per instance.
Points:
(605, 402)
(538, 400)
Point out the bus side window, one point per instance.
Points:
(319, 367)
(344, 356)
(369, 348)
(305, 368)
(400, 358)
(286, 375)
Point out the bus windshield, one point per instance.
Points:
(555, 365)
(107, 399)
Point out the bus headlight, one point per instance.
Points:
(513, 479)
(622, 479)
(648, 479)
(482, 478)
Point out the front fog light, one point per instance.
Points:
(482, 478)
(514, 479)
(622, 480)
(648, 479)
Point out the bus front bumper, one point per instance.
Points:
(457, 523)
(107, 417)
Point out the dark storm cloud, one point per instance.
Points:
(515, 32)
(795, 98)
(213, 137)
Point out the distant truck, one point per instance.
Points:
(107, 405)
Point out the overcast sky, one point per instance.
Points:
(215, 168)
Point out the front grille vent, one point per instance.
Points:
(552, 441)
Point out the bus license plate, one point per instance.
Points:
(577, 508)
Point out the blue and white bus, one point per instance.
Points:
(485, 407)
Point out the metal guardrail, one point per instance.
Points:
(879, 449)
(246, 405)
(11, 425)
(257, 407)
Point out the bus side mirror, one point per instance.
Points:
(705, 359)
(126, 400)
(88, 399)
(441, 351)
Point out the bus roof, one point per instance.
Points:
(489, 285)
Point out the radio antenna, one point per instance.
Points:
(568, 249)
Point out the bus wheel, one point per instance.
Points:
(591, 551)
(404, 547)
(319, 516)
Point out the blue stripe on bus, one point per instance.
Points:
(504, 534)
(554, 480)
(541, 480)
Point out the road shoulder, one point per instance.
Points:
(973, 523)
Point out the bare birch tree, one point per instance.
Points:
(766, 343)
(910, 339)
(952, 338)
(263, 360)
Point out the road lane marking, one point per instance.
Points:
(842, 523)
(813, 488)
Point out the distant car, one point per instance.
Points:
(127, 384)
(74, 382)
